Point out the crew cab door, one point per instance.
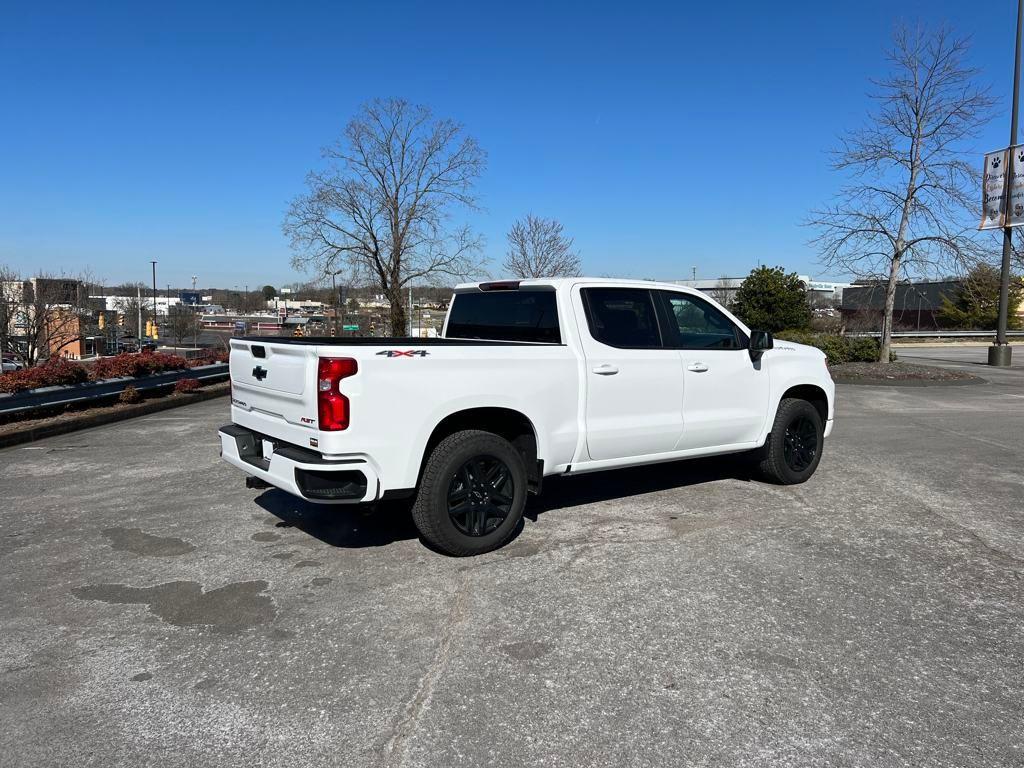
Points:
(725, 393)
(634, 386)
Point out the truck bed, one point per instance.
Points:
(380, 341)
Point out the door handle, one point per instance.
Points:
(606, 370)
(697, 367)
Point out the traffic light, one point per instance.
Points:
(298, 331)
(120, 319)
(102, 320)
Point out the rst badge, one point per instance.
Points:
(404, 353)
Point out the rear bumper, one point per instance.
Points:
(299, 471)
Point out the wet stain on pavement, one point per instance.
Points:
(525, 549)
(526, 650)
(265, 536)
(13, 541)
(142, 677)
(283, 556)
(321, 581)
(231, 608)
(308, 564)
(138, 542)
(205, 684)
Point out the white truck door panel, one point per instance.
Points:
(634, 387)
(725, 398)
(725, 393)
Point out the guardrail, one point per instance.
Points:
(70, 394)
(937, 334)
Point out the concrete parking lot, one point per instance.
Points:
(153, 611)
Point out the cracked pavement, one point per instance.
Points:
(156, 612)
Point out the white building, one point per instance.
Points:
(163, 303)
(723, 289)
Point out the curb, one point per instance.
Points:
(87, 420)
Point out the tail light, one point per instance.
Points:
(332, 406)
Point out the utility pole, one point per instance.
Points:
(410, 310)
(1000, 352)
(154, 291)
(334, 301)
(138, 334)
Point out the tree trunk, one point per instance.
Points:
(890, 303)
(397, 315)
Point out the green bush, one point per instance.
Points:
(130, 395)
(771, 300)
(838, 349)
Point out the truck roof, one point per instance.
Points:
(557, 282)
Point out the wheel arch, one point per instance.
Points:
(813, 394)
(508, 423)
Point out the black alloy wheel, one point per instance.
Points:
(800, 443)
(480, 495)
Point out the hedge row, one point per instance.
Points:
(60, 370)
(839, 349)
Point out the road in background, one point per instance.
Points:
(154, 611)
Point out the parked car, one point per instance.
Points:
(530, 379)
(9, 362)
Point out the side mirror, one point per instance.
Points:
(759, 342)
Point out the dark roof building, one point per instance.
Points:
(916, 306)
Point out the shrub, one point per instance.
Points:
(133, 365)
(54, 372)
(187, 385)
(771, 300)
(839, 349)
(209, 357)
(130, 395)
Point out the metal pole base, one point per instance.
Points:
(1000, 354)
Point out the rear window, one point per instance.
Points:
(505, 316)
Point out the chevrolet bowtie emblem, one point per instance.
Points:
(259, 373)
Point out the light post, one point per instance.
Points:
(154, 293)
(1000, 353)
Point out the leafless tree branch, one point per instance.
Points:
(383, 206)
(907, 206)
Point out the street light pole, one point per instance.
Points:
(1000, 352)
(154, 291)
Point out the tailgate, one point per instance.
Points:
(274, 379)
(276, 368)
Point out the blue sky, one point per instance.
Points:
(663, 136)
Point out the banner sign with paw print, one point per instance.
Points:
(993, 190)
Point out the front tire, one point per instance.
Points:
(472, 493)
(794, 446)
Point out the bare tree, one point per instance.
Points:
(382, 208)
(537, 247)
(43, 315)
(131, 308)
(906, 207)
(183, 323)
(723, 293)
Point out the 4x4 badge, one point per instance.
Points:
(404, 352)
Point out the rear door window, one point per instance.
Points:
(505, 316)
(622, 317)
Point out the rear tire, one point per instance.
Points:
(472, 493)
(794, 446)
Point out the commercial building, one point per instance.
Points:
(723, 289)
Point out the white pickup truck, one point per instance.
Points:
(530, 378)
